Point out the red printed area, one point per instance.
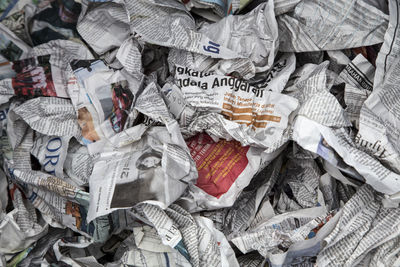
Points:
(218, 164)
(33, 77)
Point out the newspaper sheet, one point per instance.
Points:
(253, 116)
(11, 47)
(379, 117)
(153, 168)
(104, 27)
(375, 174)
(358, 77)
(331, 25)
(224, 169)
(284, 229)
(194, 237)
(178, 28)
(259, 44)
(363, 225)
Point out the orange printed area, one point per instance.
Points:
(248, 117)
(218, 164)
(72, 80)
(73, 209)
(252, 117)
(230, 108)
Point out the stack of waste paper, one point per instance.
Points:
(199, 133)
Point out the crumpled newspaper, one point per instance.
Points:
(199, 133)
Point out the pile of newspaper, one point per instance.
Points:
(199, 133)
